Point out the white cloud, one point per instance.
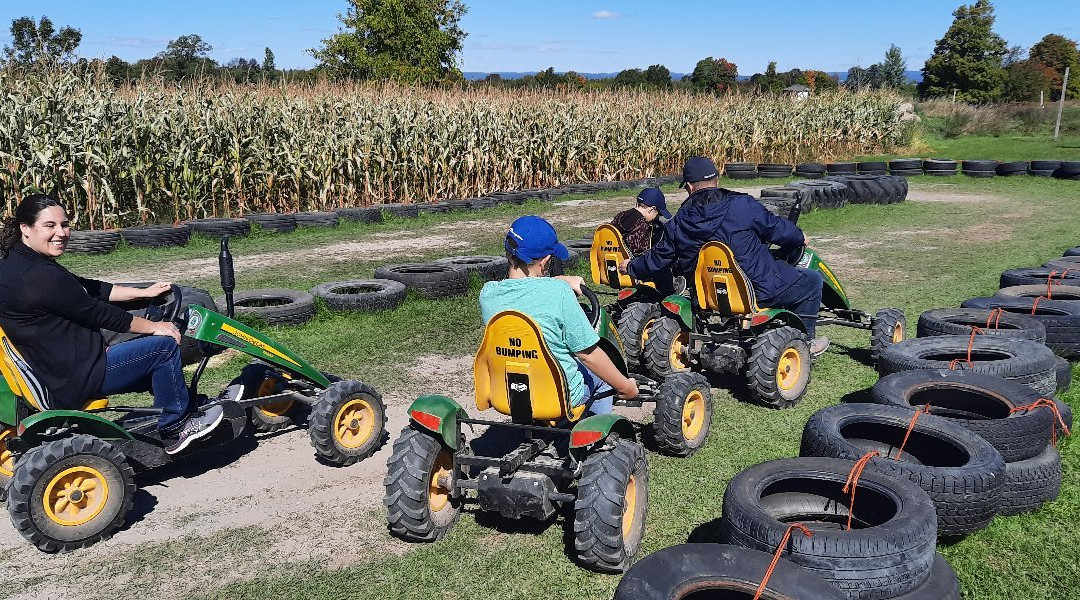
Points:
(606, 14)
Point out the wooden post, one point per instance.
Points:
(954, 93)
(1061, 103)
(1040, 98)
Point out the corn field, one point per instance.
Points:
(159, 153)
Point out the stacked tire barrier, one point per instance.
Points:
(835, 191)
(908, 167)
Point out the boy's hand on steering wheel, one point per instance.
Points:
(165, 329)
(624, 264)
(629, 389)
(574, 281)
(157, 289)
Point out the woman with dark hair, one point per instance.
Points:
(54, 319)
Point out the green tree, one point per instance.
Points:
(768, 81)
(405, 40)
(714, 75)
(117, 70)
(893, 71)
(658, 76)
(968, 58)
(32, 42)
(629, 78)
(1057, 52)
(187, 56)
(268, 60)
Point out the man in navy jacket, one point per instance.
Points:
(742, 223)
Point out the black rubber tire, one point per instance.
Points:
(92, 242)
(746, 167)
(1066, 413)
(872, 167)
(764, 362)
(1067, 293)
(1074, 251)
(404, 211)
(670, 426)
(959, 321)
(939, 166)
(824, 193)
(906, 172)
(218, 228)
(1023, 361)
(664, 332)
(1064, 374)
(633, 321)
(1063, 262)
(316, 218)
(963, 473)
(156, 236)
(1031, 483)
(942, 584)
(325, 417)
(361, 214)
(360, 294)
(808, 174)
(409, 471)
(488, 268)
(427, 279)
(1036, 276)
(810, 167)
(41, 464)
(1006, 169)
(1041, 173)
(840, 168)
(190, 353)
(985, 166)
(276, 222)
(890, 327)
(1060, 317)
(979, 174)
(274, 306)
(777, 167)
(906, 164)
(981, 403)
(873, 189)
(606, 474)
(691, 570)
(888, 551)
(742, 174)
(1044, 165)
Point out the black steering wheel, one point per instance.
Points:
(593, 310)
(791, 255)
(168, 307)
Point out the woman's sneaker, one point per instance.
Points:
(195, 428)
(818, 346)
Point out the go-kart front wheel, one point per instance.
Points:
(778, 371)
(634, 324)
(348, 423)
(421, 504)
(70, 493)
(682, 414)
(665, 348)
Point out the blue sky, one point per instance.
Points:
(586, 36)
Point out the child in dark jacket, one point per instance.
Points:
(640, 226)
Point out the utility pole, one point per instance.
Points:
(1061, 103)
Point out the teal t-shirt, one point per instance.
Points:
(552, 305)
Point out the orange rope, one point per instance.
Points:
(779, 551)
(911, 426)
(853, 482)
(1046, 403)
(1035, 304)
(971, 342)
(995, 316)
(1050, 283)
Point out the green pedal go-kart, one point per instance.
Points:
(69, 474)
(722, 329)
(590, 464)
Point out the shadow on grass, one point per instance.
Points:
(707, 532)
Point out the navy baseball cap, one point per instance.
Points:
(655, 198)
(532, 238)
(698, 168)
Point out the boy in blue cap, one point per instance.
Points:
(552, 303)
(640, 226)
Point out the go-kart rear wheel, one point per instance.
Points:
(778, 370)
(633, 330)
(609, 514)
(7, 461)
(70, 493)
(260, 380)
(682, 414)
(890, 327)
(348, 423)
(665, 348)
(421, 504)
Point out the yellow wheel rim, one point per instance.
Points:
(629, 514)
(898, 333)
(75, 495)
(678, 362)
(438, 494)
(354, 423)
(273, 409)
(645, 332)
(7, 461)
(693, 415)
(789, 369)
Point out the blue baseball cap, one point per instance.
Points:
(532, 238)
(698, 168)
(655, 198)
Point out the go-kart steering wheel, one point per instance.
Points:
(168, 307)
(593, 310)
(791, 256)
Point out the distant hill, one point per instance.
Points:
(915, 76)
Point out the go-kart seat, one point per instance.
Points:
(720, 284)
(21, 381)
(515, 373)
(608, 250)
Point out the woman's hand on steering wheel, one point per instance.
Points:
(157, 289)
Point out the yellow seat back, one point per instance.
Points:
(608, 250)
(20, 379)
(515, 373)
(720, 284)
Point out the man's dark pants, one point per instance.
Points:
(802, 298)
